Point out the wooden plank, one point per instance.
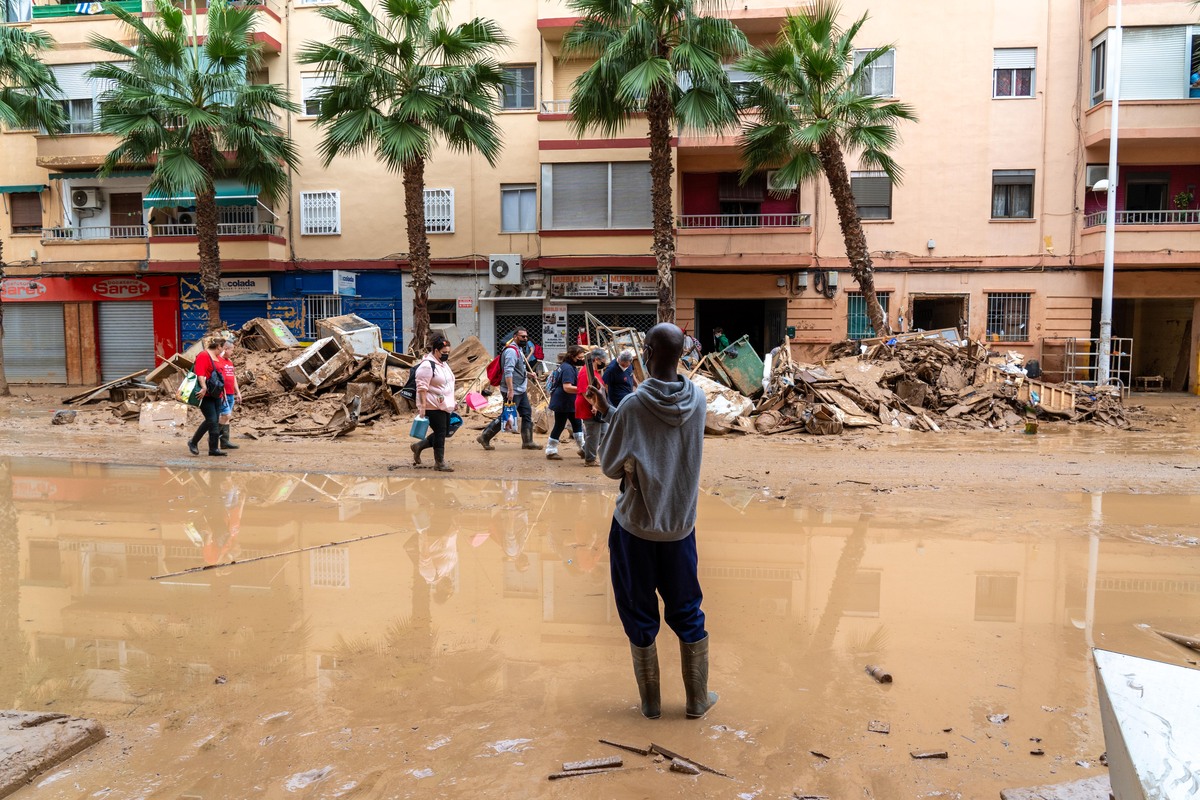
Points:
(606, 762)
(96, 391)
(88, 348)
(641, 751)
(71, 343)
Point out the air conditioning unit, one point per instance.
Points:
(504, 269)
(85, 198)
(104, 575)
(775, 185)
(185, 218)
(1095, 173)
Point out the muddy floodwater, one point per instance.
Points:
(467, 644)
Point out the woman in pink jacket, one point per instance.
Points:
(435, 401)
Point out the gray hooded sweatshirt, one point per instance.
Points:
(654, 442)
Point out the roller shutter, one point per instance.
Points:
(34, 343)
(126, 338)
(1154, 63)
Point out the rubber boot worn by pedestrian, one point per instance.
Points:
(579, 443)
(645, 670)
(442, 466)
(416, 448)
(485, 438)
(527, 442)
(694, 658)
(228, 445)
(552, 449)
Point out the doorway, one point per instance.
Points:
(932, 312)
(763, 322)
(1161, 330)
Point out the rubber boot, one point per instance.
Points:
(442, 466)
(416, 448)
(485, 439)
(194, 446)
(694, 659)
(552, 450)
(579, 443)
(645, 670)
(527, 436)
(228, 445)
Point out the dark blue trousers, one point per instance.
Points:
(640, 568)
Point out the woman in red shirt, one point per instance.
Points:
(233, 395)
(211, 397)
(594, 426)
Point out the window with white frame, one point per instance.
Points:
(1099, 68)
(1013, 71)
(519, 91)
(1008, 316)
(595, 196)
(880, 77)
(311, 84)
(518, 208)
(439, 211)
(872, 194)
(1012, 194)
(319, 306)
(329, 567)
(320, 213)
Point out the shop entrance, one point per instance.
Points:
(764, 322)
(34, 343)
(931, 312)
(1161, 330)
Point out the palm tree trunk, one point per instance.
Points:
(658, 112)
(418, 250)
(4, 390)
(207, 220)
(12, 640)
(833, 163)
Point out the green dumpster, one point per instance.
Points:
(741, 366)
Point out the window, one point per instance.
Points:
(439, 211)
(80, 118)
(320, 213)
(518, 208)
(26, 211)
(1012, 194)
(1013, 71)
(1147, 191)
(311, 83)
(1099, 69)
(1008, 316)
(442, 312)
(79, 93)
(880, 77)
(995, 598)
(862, 599)
(858, 322)
(16, 10)
(872, 194)
(596, 196)
(319, 306)
(519, 94)
(329, 567)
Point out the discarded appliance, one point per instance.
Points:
(317, 364)
(356, 335)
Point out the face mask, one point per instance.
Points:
(443, 357)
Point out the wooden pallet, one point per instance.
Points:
(1050, 397)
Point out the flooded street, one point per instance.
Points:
(471, 644)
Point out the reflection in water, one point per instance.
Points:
(478, 644)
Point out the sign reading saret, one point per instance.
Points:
(87, 289)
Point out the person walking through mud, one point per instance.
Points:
(654, 447)
(586, 408)
(435, 401)
(562, 399)
(233, 395)
(212, 395)
(514, 386)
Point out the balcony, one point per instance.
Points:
(1189, 216)
(1153, 131)
(249, 242)
(709, 221)
(223, 229)
(746, 241)
(73, 150)
(63, 10)
(90, 234)
(1164, 236)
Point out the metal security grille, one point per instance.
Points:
(320, 213)
(34, 343)
(858, 322)
(1008, 317)
(126, 338)
(514, 314)
(330, 567)
(439, 211)
(319, 306)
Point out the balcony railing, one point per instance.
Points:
(51, 11)
(223, 229)
(556, 106)
(92, 234)
(743, 221)
(1189, 216)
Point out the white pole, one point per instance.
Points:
(1104, 356)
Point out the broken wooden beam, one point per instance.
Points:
(607, 762)
(555, 776)
(641, 751)
(662, 751)
(686, 767)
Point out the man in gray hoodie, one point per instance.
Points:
(654, 445)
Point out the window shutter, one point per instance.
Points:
(729, 188)
(309, 84)
(631, 206)
(871, 188)
(439, 211)
(1154, 63)
(1014, 58)
(73, 81)
(580, 196)
(26, 210)
(1009, 177)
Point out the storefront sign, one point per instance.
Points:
(554, 331)
(121, 288)
(245, 288)
(21, 289)
(579, 286)
(86, 289)
(345, 283)
(466, 301)
(632, 286)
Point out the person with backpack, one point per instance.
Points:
(435, 401)
(514, 368)
(212, 395)
(586, 409)
(561, 387)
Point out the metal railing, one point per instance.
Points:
(555, 106)
(742, 220)
(1189, 216)
(223, 229)
(92, 234)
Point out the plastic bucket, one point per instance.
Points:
(475, 401)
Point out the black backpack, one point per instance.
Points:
(409, 390)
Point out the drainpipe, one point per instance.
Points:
(1110, 218)
(287, 30)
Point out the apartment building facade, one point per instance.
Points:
(995, 227)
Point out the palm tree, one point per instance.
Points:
(661, 58)
(190, 110)
(403, 79)
(814, 110)
(27, 100)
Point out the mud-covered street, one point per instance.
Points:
(470, 646)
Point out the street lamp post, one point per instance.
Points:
(1104, 355)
